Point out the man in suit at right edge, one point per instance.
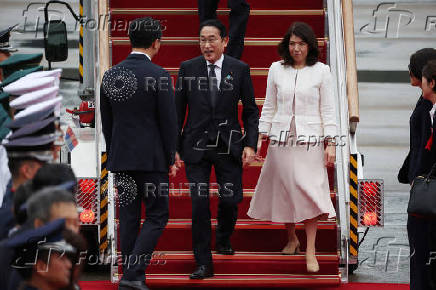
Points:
(211, 86)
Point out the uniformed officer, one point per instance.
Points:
(13, 66)
(35, 133)
(5, 47)
(41, 256)
(42, 207)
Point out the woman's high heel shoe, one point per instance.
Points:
(312, 264)
(291, 248)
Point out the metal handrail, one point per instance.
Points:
(350, 60)
(338, 68)
(102, 58)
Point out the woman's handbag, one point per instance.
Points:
(422, 200)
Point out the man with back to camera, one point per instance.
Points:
(239, 13)
(211, 86)
(140, 127)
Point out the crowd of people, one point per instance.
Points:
(40, 243)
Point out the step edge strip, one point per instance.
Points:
(187, 11)
(121, 41)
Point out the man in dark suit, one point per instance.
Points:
(140, 127)
(211, 86)
(239, 12)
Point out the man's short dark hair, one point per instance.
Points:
(144, 31)
(419, 59)
(40, 204)
(215, 23)
(305, 32)
(15, 163)
(429, 72)
(54, 174)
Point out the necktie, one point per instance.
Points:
(213, 84)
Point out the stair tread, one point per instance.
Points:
(244, 280)
(219, 11)
(247, 224)
(242, 255)
(247, 192)
(257, 4)
(248, 41)
(235, 275)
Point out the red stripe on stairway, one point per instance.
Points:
(277, 24)
(241, 263)
(172, 54)
(254, 4)
(107, 285)
(247, 280)
(249, 235)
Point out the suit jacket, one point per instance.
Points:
(193, 102)
(420, 158)
(138, 116)
(7, 220)
(314, 102)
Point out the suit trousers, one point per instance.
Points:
(228, 171)
(239, 12)
(137, 249)
(419, 231)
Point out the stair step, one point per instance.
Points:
(173, 52)
(243, 280)
(250, 174)
(181, 205)
(177, 236)
(242, 263)
(278, 21)
(254, 4)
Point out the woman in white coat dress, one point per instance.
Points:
(298, 117)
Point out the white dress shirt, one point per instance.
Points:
(138, 52)
(218, 67)
(432, 113)
(5, 175)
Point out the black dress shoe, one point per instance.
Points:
(224, 249)
(132, 285)
(202, 271)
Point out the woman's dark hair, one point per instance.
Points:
(215, 23)
(429, 72)
(305, 32)
(419, 59)
(144, 31)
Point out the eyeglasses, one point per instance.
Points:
(204, 41)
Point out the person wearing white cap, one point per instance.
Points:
(33, 98)
(24, 86)
(35, 133)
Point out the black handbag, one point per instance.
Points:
(422, 200)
